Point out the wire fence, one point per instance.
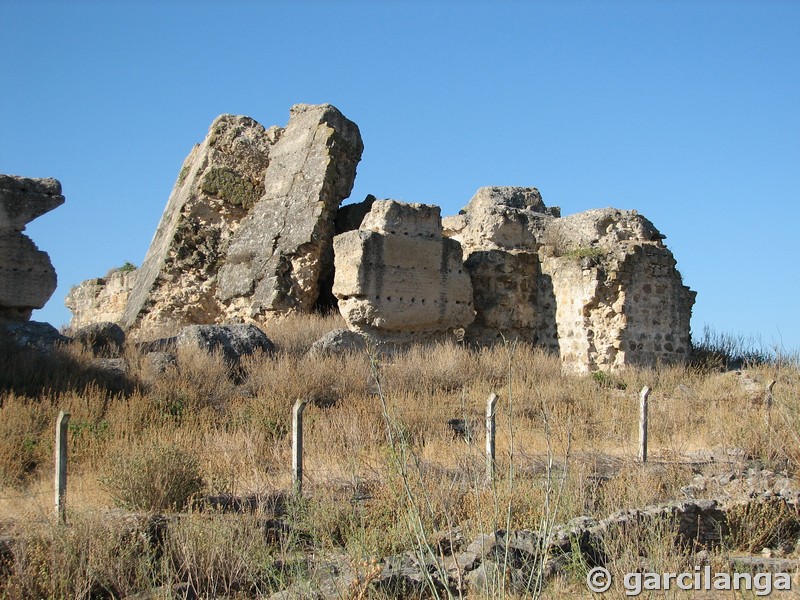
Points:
(482, 439)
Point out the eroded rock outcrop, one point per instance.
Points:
(282, 254)
(27, 277)
(100, 300)
(398, 279)
(219, 183)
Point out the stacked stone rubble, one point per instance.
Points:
(27, 277)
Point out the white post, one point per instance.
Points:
(643, 424)
(61, 466)
(297, 446)
(490, 436)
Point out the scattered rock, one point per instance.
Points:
(103, 338)
(27, 277)
(234, 341)
(157, 363)
(33, 334)
(339, 342)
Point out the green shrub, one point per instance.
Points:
(585, 252)
(153, 478)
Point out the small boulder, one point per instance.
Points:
(234, 341)
(33, 334)
(339, 342)
(103, 339)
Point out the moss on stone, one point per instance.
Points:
(183, 174)
(228, 185)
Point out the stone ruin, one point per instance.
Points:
(253, 230)
(27, 277)
(398, 278)
(599, 287)
(247, 233)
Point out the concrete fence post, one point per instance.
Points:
(61, 466)
(643, 395)
(297, 446)
(491, 430)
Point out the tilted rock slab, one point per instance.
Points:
(219, 183)
(27, 277)
(398, 279)
(283, 251)
(100, 300)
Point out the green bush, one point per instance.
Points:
(153, 478)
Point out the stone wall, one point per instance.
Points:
(599, 287)
(398, 279)
(27, 277)
(619, 298)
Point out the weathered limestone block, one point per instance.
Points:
(220, 181)
(27, 277)
(501, 230)
(505, 218)
(398, 279)
(618, 295)
(100, 300)
(283, 248)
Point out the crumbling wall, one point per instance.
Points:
(398, 279)
(599, 287)
(100, 300)
(617, 292)
(27, 277)
(501, 231)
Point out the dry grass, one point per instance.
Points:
(363, 497)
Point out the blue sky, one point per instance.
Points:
(685, 111)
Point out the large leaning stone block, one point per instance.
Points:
(220, 181)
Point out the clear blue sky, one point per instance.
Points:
(685, 111)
